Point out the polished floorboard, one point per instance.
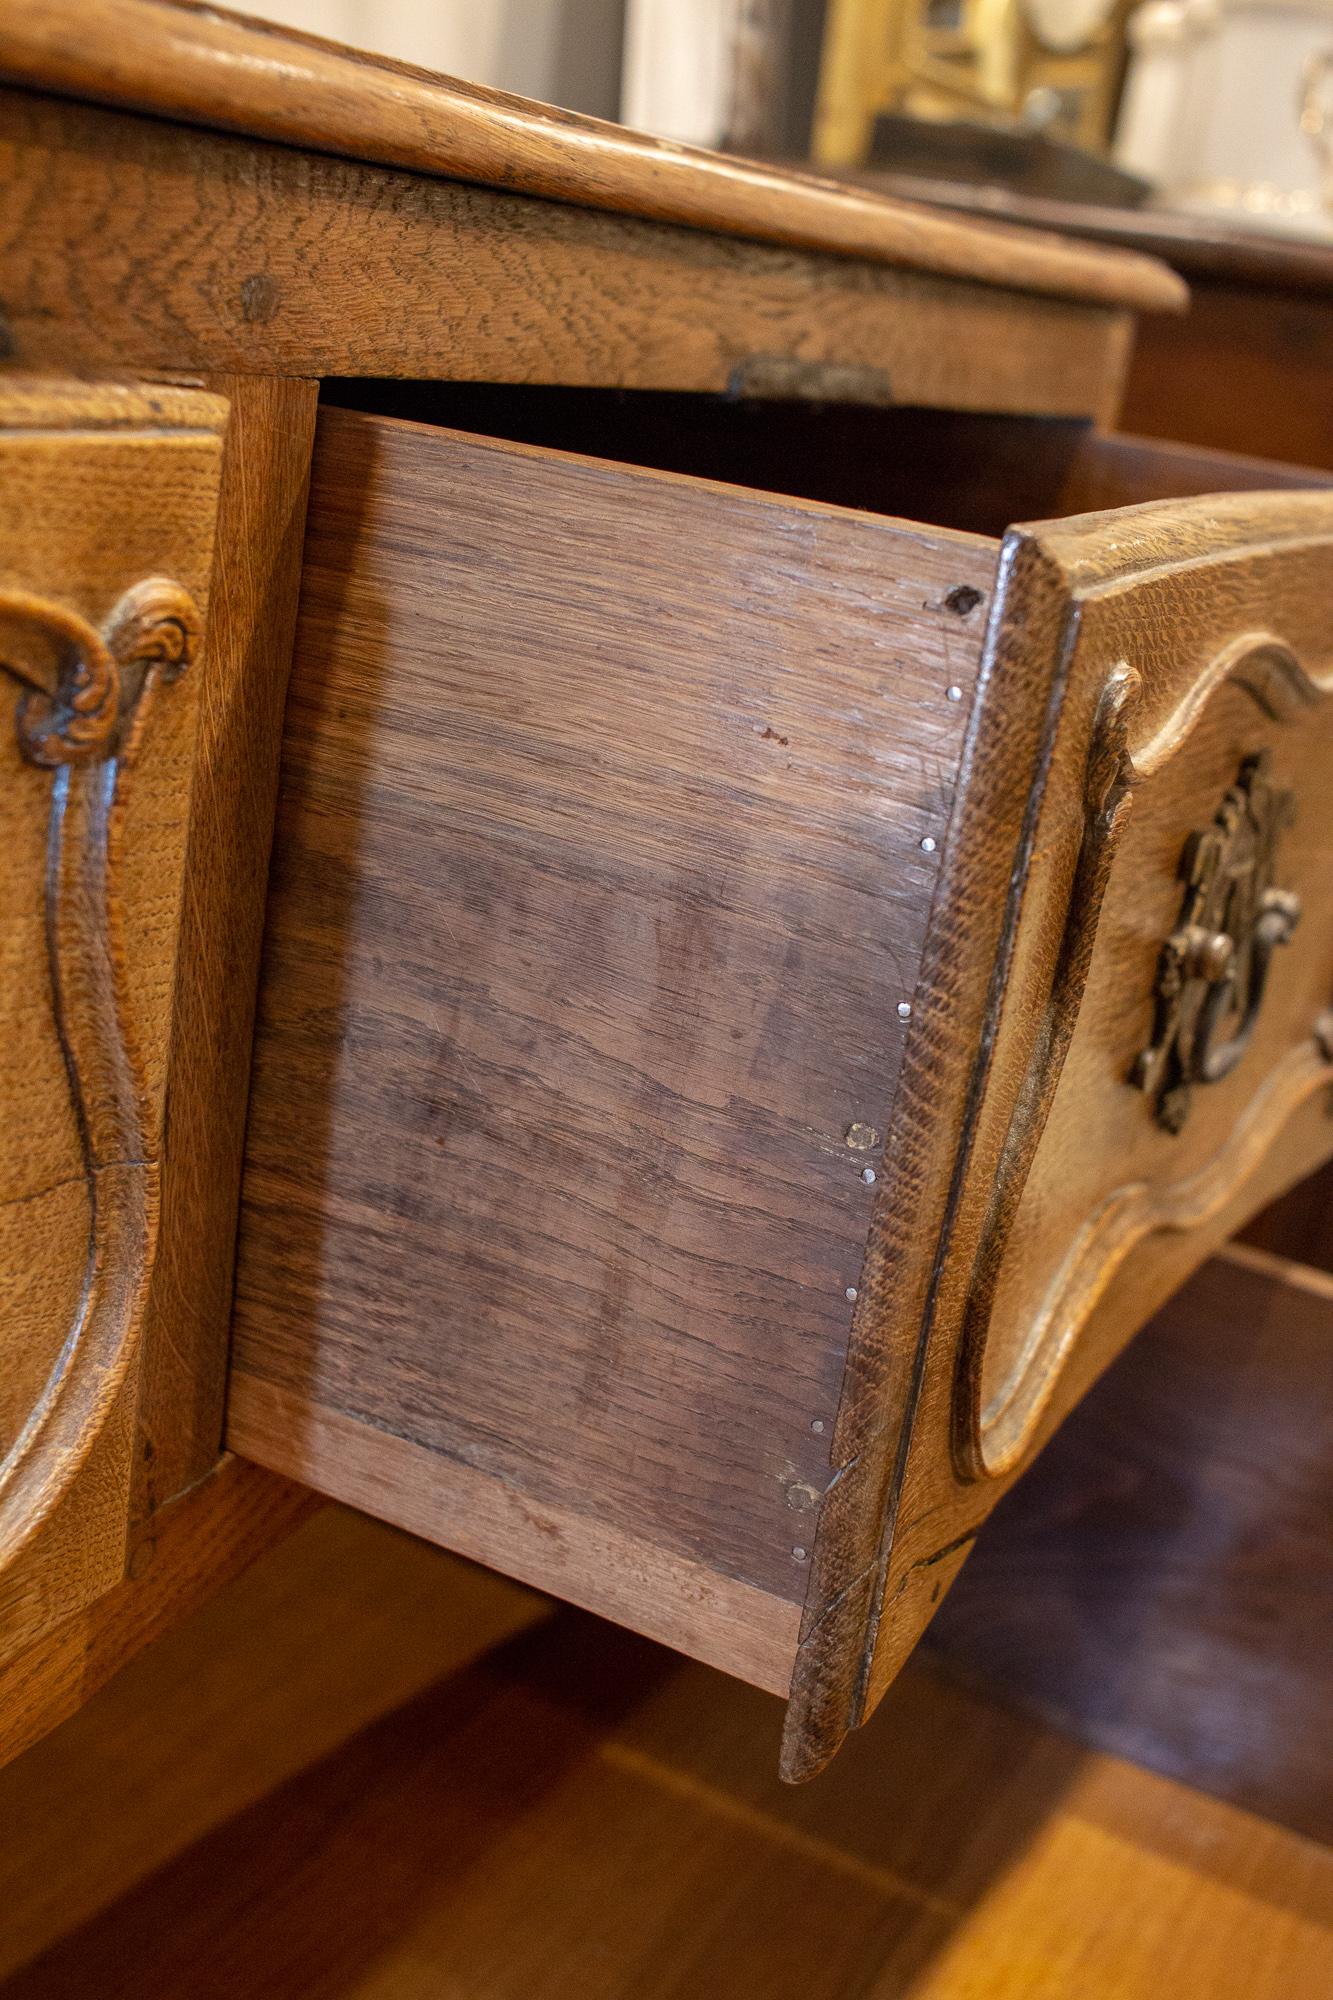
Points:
(368, 1772)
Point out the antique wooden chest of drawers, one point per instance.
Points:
(770, 973)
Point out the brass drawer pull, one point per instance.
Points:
(1213, 969)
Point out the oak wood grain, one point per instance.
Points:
(208, 252)
(195, 1544)
(208, 67)
(342, 1377)
(132, 1548)
(607, 838)
(586, 1560)
(261, 523)
(339, 1623)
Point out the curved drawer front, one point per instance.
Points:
(1126, 1042)
(1188, 1025)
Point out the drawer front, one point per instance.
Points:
(105, 554)
(1126, 1045)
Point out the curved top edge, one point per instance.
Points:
(1117, 546)
(207, 67)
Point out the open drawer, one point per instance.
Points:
(762, 998)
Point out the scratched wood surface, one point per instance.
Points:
(345, 1379)
(607, 835)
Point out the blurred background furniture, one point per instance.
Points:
(1226, 109)
(1047, 65)
(1246, 368)
(1223, 109)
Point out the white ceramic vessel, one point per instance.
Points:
(1227, 108)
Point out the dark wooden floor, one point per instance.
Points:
(1160, 1582)
(368, 1772)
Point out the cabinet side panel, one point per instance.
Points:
(261, 519)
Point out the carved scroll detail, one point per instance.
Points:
(1260, 663)
(82, 714)
(1122, 1221)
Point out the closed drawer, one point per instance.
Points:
(107, 530)
(761, 1000)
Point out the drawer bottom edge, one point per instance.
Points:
(723, 1622)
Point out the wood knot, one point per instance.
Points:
(260, 298)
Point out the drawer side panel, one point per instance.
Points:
(599, 879)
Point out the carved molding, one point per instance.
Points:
(1108, 782)
(1260, 663)
(1122, 1221)
(83, 711)
(991, 1434)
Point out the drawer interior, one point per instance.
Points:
(972, 471)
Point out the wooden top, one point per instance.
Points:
(206, 67)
